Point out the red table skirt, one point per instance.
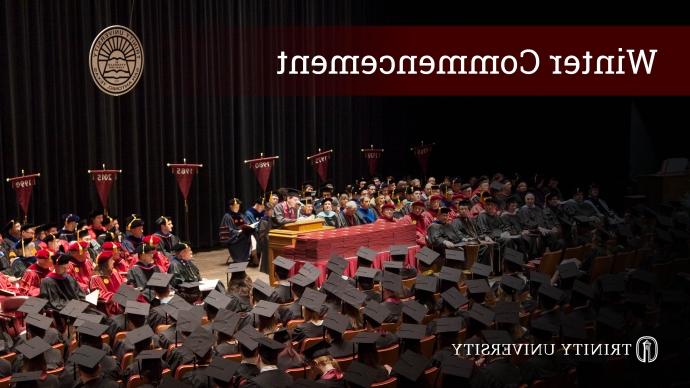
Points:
(350, 271)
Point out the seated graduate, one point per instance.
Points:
(398, 255)
(141, 271)
(352, 301)
(182, 267)
(314, 310)
(107, 281)
(30, 284)
(104, 368)
(409, 370)
(269, 374)
(32, 372)
(58, 287)
(239, 287)
(221, 373)
(368, 356)
(249, 348)
(139, 340)
(324, 368)
(336, 324)
(282, 267)
(289, 357)
(374, 316)
(225, 326)
(136, 315)
(365, 281)
(149, 367)
(199, 344)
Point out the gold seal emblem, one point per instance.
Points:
(116, 60)
(106, 281)
(76, 270)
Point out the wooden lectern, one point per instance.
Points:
(287, 236)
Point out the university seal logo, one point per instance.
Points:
(647, 349)
(116, 60)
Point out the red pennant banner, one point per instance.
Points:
(23, 187)
(320, 162)
(104, 179)
(262, 169)
(184, 173)
(372, 155)
(422, 153)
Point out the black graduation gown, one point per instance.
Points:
(239, 243)
(290, 360)
(342, 349)
(332, 383)
(395, 311)
(386, 339)
(247, 371)
(262, 230)
(271, 379)
(140, 274)
(225, 349)
(373, 295)
(167, 243)
(307, 330)
(99, 382)
(50, 382)
(59, 290)
(502, 373)
(5, 368)
(20, 264)
(283, 294)
(53, 359)
(51, 336)
(197, 379)
(110, 371)
(293, 311)
(183, 271)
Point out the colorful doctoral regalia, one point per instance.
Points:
(239, 244)
(59, 290)
(30, 284)
(140, 274)
(183, 271)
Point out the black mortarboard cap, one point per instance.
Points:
(159, 279)
(392, 282)
(152, 354)
(583, 289)
(514, 256)
(360, 374)
(189, 286)
(179, 303)
(26, 377)
(427, 256)
(38, 321)
(458, 367)
(87, 356)
(92, 329)
(411, 331)
(310, 272)
(366, 254)
(137, 308)
(300, 280)
(337, 264)
(226, 322)
(334, 284)
(125, 293)
(367, 273)
(426, 283)
(568, 270)
(477, 286)
(265, 308)
(482, 270)
(398, 250)
(539, 277)
(316, 349)
(612, 283)
(551, 292)
(73, 308)
(264, 288)
(544, 324)
(512, 282)
(393, 266)
(336, 322)
(450, 274)
(239, 267)
(188, 320)
(365, 337)
(573, 326)
(498, 337)
(481, 314)
(200, 341)
(448, 324)
(84, 317)
(269, 343)
(139, 334)
(376, 311)
(221, 369)
(414, 310)
(507, 312)
(610, 318)
(283, 263)
(33, 347)
(455, 255)
(217, 300)
(246, 340)
(454, 298)
(411, 365)
(353, 296)
(312, 299)
(32, 305)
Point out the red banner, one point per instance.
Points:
(23, 187)
(262, 169)
(321, 162)
(422, 153)
(184, 173)
(104, 180)
(372, 156)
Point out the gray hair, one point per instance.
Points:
(351, 205)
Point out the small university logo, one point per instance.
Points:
(116, 60)
(646, 349)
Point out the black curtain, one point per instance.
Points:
(54, 120)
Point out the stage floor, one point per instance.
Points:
(212, 265)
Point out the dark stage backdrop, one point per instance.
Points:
(54, 120)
